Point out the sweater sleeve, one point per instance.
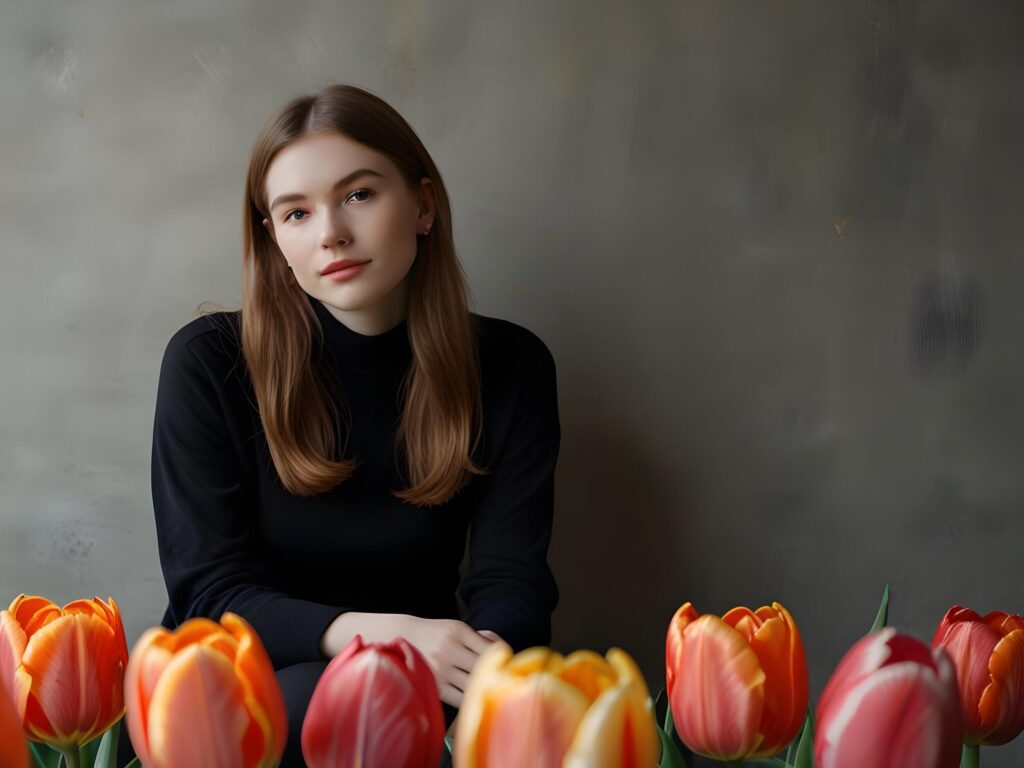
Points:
(509, 587)
(204, 517)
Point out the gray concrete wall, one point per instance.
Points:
(774, 248)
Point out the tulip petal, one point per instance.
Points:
(13, 746)
(867, 656)
(470, 740)
(684, 616)
(77, 681)
(533, 660)
(618, 731)
(197, 715)
(368, 711)
(263, 693)
(1001, 706)
(147, 661)
(33, 611)
(780, 653)
(970, 644)
(899, 716)
(13, 677)
(531, 721)
(717, 695)
(588, 671)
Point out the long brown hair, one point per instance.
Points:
(441, 422)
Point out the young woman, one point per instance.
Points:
(320, 455)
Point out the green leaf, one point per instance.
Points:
(44, 756)
(671, 757)
(448, 744)
(106, 752)
(805, 749)
(670, 724)
(87, 752)
(883, 611)
(136, 763)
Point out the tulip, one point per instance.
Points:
(890, 703)
(204, 695)
(988, 653)
(13, 746)
(737, 685)
(539, 709)
(375, 704)
(64, 668)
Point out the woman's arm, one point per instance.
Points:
(509, 588)
(205, 511)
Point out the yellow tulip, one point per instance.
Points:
(538, 709)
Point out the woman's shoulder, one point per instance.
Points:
(213, 339)
(507, 342)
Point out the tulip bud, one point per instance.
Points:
(375, 706)
(737, 685)
(891, 703)
(538, 709)
(204, 696)
(988, 653)
(64, 667)
(13, 747)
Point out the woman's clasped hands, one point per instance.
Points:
(450, 647)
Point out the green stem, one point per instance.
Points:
(70, 757)
(969, 757)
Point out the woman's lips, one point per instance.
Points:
(347, 273)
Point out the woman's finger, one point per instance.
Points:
(451, 695)
(473, 640)
(458, 678)
(463, 658)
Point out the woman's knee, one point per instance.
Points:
(297, 683)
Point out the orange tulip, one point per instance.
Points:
(13, 747)
(542, 710)
(64, 667)
(737, 685)
(376, 704)
(988, 653)
(204, 695)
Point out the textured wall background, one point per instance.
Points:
(774, 248)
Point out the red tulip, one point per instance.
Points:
(375, 706)
(64, 667)
(891, 703)
(737, 685)
(988, 653)
(13, 747)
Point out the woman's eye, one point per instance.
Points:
(360, 191)
(289, 216)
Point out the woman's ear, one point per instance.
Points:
(270, 229)
(428, 207)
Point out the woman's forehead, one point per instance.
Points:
(322, 159)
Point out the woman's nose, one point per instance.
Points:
(334, 231)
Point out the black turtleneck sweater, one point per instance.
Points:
(232, 538)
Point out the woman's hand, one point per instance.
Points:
(451, 648)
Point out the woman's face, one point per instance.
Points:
(323, 210)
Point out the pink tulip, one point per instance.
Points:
(375, 706)
(988, 653)
(891, 703)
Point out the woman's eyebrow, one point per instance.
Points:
(294, 197)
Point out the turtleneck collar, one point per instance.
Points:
(386, 352)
